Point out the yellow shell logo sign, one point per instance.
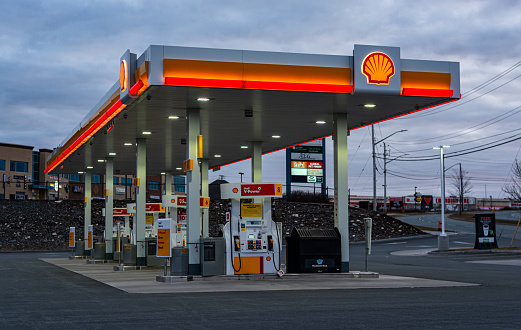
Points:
(123, 76)
(378, 68)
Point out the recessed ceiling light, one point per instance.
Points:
(90, 167)
(320, 122)
(217, 156)
(147, 133)
(128, 144)
(112, 154)
(203, 99)
(173, 117)
(178, 168)
(163, 173)
(80, 172)
(275, 136)
(369, 105)
(101, 160)
(244, 147)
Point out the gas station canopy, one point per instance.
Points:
(278, 99)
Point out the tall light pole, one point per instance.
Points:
(443, 239)
(241, 174)
(374, 161)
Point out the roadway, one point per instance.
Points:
(485, 293)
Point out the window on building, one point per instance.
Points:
(74, 177)
(116, 180)
(126, 182)
(2, 165)
(95, 178)
(153, 185)
(36, 167)
(19, 166)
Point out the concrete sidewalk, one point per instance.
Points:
(144, 281)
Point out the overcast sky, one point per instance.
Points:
(58, 58)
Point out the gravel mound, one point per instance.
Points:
(44, 225)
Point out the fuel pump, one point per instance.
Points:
(253, 242)
(177, 206)
(152, 211)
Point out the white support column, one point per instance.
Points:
(341, 186)
(168, 190)
(88, 201)
(109, 206)
(193, 183)
(205, 192)
(256, 162)
(141, 199)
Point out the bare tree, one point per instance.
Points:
(513, 189)
(460, 185)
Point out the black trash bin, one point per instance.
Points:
(313, 251)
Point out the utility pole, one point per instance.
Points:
(461, 190)
(385, 180)
(374, 169)
(374, 161)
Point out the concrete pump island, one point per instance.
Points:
(184, 111)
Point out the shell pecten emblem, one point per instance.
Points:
(378, 68)
(123, 76)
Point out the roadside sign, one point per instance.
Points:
(164, 248)
(485, 231)
(72, 237)
(89, 238)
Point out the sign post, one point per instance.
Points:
(368, 232)
(164, 246)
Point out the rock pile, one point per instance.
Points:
(321, 216)
(44, 225)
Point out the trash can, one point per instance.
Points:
(129, 254)
(123, 241)
(152, 259)
(179, 264)
(79, 249)
(212, 256)
(313, 251)
(99, 251)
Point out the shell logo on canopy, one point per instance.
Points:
(123, 76)
(378, 68)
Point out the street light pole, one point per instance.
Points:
(374, 161)
(241, 175)
(443, 239)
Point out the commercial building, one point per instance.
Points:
(22, 177)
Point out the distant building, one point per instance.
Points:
(22, 176)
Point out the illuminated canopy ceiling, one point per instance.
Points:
(245, 97)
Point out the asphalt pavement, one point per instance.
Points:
(450, 291)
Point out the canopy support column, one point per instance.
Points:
(205, 193)
(168, 191)
(141, 200)
(88, 206)
(193, 184)
(341, 185)
(256, 162)
(109, 206)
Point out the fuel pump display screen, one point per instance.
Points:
(251, 236)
